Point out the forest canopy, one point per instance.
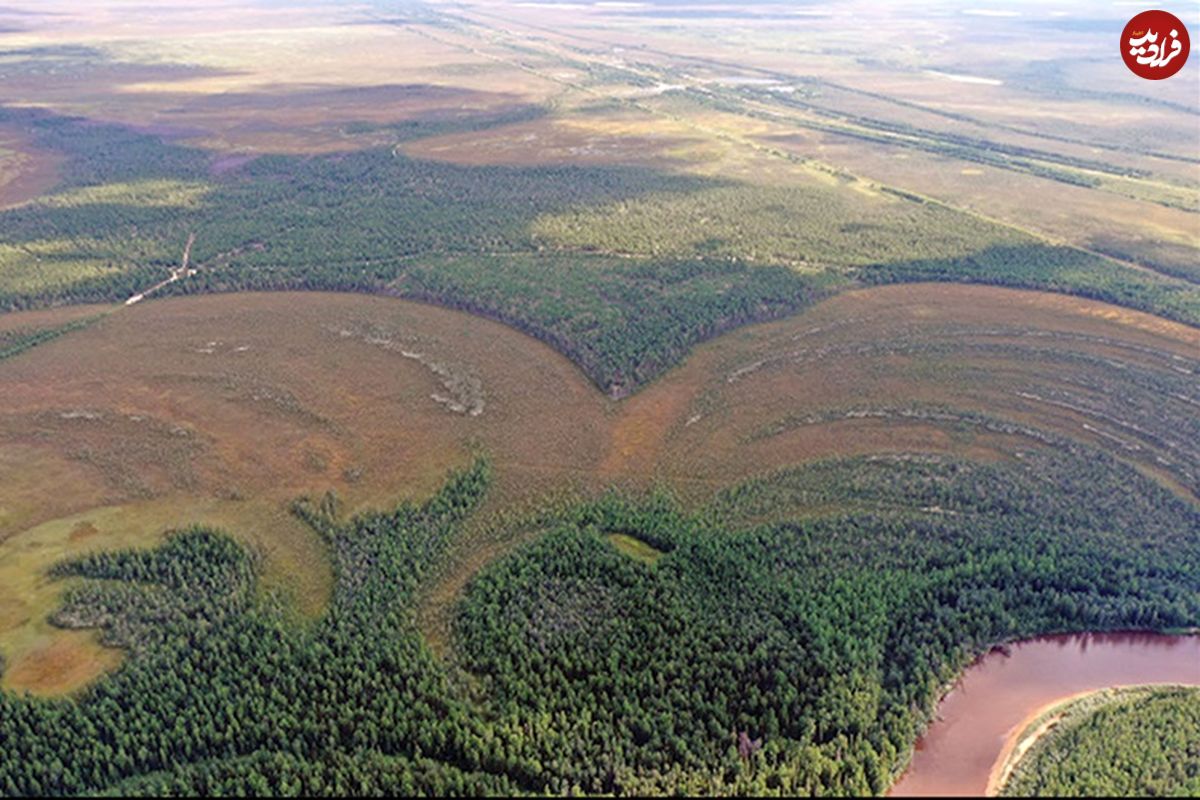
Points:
(797, 656)
(1123, 743)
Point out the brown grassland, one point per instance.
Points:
(229, 79)
(616, 137)
(223, 409)
(25, 171)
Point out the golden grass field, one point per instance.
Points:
(222, 409)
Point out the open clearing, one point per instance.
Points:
(25, 171)
(635, 548)
(223, 409)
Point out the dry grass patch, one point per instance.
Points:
(568, 140)
(25, 171)
(223, 409)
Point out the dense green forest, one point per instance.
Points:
(621, 268)
(1128, 743)
(801, 654)
(825, 638)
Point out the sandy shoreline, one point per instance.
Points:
(1020, 739)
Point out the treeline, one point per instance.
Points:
(18, 341)
(624, 323)
(103, 153)
(1053, 269)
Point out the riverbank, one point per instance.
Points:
(981, 722)
(1092, 728)
(1041, 722)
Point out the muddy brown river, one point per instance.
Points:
(997, 695)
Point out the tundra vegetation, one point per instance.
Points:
(623, 269)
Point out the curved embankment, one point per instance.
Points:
(1045, 721)
(1142, 732)
(986, 718)
(1025, 735)
(220, 409)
